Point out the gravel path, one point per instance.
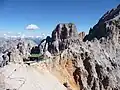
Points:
(23, 77)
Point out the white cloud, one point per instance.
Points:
(5, 34)
(32, 27)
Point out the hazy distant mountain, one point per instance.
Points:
(36, 39)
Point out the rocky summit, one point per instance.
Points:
(77, 61)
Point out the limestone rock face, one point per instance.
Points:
(103, 43)
(93, 64)
(61, 37)
(64, 31)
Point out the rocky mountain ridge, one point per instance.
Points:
(91, 64)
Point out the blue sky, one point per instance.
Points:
(15, 15)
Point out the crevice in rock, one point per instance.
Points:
(103, 79)
(113, 64)
(88, 67)
(105, 82)
(98, 70)
(94, 85)
(77, 78)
